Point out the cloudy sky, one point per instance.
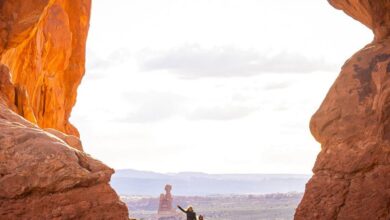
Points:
(216, 86)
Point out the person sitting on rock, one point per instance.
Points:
(191, 215)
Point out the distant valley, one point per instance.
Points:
(277, 206)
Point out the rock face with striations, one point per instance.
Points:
(352, 172)
(44, 173)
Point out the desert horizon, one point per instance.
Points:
(214, 196)
(146, 183)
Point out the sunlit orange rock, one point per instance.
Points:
(352, 172)
(43, 45)
(44, 173)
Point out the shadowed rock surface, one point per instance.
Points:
(44, 173)
(352, 172)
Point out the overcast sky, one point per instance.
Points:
(216, 86)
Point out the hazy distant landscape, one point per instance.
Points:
(280, 206)
(132, 182)
(217, 196)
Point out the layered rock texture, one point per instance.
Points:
(352, 172)
(44, 173)
(42, 42)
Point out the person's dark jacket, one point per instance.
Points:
(190, 215)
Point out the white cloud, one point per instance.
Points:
(277, 85)
(194, 61)
(148, 107)
(227, 112)
(98, 65)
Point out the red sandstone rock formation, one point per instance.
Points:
(352, 172)
(41, 177)
(42, 42)
(44, 174)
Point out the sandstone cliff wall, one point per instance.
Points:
(352, 172)
(44, 173)
(42, 42)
